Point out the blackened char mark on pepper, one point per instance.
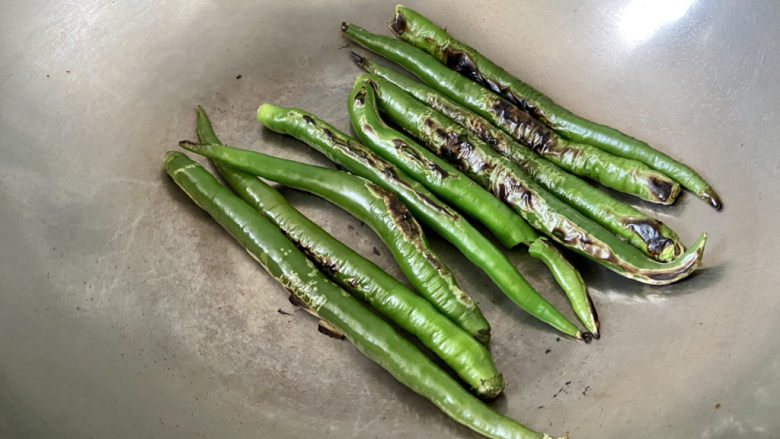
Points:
(404, 147)
(360, 97)
(511, 191)
(329, 134)
(580, 239)
(462, 63)
(326, 264)
(482, 130)
(359, 60)
(398, 25)
(524, 127)
(368, 129)
(460, 150)
(650, 233)
(331, 331)
(400, 215)
(309, 119)
(297, 301)
(390, 173)
(662, 189)
(435, 262)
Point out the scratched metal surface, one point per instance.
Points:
(126, 312)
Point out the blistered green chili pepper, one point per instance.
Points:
(356, 158)
(388, 142)
(419, 31)
(371, 335)
(540, 208)
(364, 279)
(378, 208)
(618, 173)
(570, 282)
(645, 233)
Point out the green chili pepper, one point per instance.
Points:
(383, 139)
(645, 233)
(618, 173)
(458, 190)
(373, 337)
(570, 282)
(541, 209)
(364, 279)
(378, 208)
(419, 31)
(356, 158)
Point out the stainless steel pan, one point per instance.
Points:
(126, 312)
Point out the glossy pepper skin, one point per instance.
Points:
(378, 208)
(449, 184)
(421, 32)
(381, 138)
(648, 234)
(371, 335)
(540, 208)
(365, 280)
(618, 173)
(356, 158)
(570, 281)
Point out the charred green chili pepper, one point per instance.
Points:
(378, 208)
(541, 209)
(364, 279)
(618, 173)
(371, 335)
(452, 186)
(570, 282)
(645, 233)
(356, 158)
(420, 32)
(404, 152)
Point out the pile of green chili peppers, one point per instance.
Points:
(474, 141)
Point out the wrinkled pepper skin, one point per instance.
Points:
(570, 281)
(540, 208)
(629, 176)
(356, 158)
(648, 234)
(449, 184)
(369, 333)
(378, 208)
(422, 33)
(376, 134)
(364, 279)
